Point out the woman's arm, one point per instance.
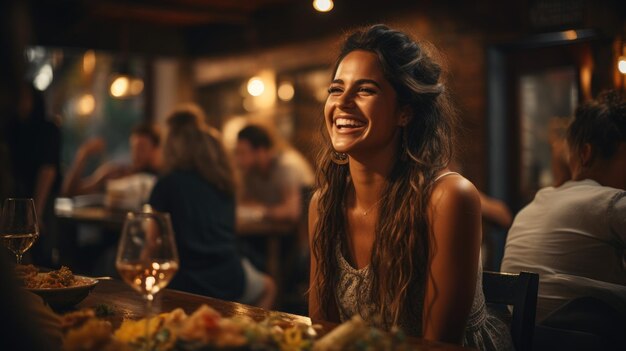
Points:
(455, 219)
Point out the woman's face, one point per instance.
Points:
(361, 111)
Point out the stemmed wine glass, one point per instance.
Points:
(147, 258)
(18, 226)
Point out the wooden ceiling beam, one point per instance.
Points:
(164, 15)
(232, 5)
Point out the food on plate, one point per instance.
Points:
(73, 320)
(356, 335)
(24, 272)
(33, 279)
(95, 334)
(207, 329)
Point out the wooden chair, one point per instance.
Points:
(519, 291)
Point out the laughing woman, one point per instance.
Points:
(395, 235)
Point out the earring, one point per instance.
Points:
(340, 158)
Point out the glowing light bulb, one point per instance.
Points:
(85, 105)
(323, 5)
(256, 87)
(120, 86)
(286, 91)
(136, 86)
(621, 64)
(570, 34)
(89, 61)
(43, 78)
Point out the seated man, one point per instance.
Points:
(145, 153)
(271, 190)
(270, 185)
(574, 236)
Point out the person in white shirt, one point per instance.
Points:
(574, 235)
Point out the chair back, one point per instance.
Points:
(519, 291)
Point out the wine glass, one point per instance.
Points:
(147, 258)
(18, 226)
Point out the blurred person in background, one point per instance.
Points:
(273, 184)
(269, 184)
(28, 325)
(145, 140)
(34, 145)
(574, 235)
(198, 190)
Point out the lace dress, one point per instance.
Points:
(484, 331)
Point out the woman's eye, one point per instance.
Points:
(367, 90)
(334, 90)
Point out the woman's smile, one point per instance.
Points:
(349, 125)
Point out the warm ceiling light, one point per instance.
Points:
(323, 5)
(119, 86)
(286, 91)
(43, 78)
(621, 64)
(256, 87)
(136, 86)
(85, 105)
(124, 86)
(570, 34)
(89, 61)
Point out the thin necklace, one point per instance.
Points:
(371, 207)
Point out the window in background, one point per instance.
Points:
(77, 88)
(547, 102)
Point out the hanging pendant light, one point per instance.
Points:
(123, 83)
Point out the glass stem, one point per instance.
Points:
(18, 258)
(149, 299)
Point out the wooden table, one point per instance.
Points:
(128, 304)
(94, 215)
(273, 232)
(113, 220)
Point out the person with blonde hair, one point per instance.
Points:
(395, 235)
(198, 190)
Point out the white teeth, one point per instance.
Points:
(346, 122)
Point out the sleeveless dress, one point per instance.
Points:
(484, 330)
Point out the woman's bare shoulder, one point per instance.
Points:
(453, 196)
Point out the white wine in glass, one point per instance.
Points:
(148, 279)
(18, 226)
(147, 258)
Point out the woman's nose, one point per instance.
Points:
(346, 100)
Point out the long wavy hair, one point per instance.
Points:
(192, 145)
(402, 243)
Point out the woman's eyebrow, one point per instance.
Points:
(367, 81)
(358, 82)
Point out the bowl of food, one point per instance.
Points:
(60, 288)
